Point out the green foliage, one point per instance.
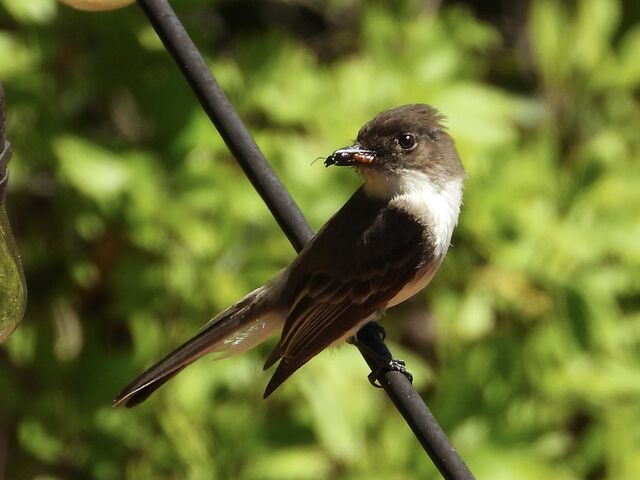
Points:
(136, 226)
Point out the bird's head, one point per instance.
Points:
(402, 143)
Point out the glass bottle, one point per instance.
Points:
(13, 292)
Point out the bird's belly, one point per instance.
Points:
(421, 280)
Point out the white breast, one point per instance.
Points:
(437, 205)
(442, 205)
(418, 194)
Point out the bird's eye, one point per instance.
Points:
(406, 141)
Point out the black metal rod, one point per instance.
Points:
(290, 218)
(411, 406)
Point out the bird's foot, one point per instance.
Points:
(380, 356)
(392, 365)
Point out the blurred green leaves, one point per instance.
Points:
(32, 12)
(23, 59)
(90, 170)
(136, 226)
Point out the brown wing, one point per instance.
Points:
(341, 279)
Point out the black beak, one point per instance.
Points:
(351, 156)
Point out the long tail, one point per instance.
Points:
(240, 327)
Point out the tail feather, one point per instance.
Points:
(283, 371)
(139, 395)
(238, 328)
(273, 357)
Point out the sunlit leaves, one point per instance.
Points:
(136, 226)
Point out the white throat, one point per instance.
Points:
(419, 195)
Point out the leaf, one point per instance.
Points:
(92, 170)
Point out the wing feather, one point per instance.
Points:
(342, 284)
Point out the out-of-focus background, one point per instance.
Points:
(135, 226)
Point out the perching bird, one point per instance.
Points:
(383, 246)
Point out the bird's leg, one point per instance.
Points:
(378, 329)
(371, 342)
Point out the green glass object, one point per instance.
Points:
(13, 291)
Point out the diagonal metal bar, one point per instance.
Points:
(411, 406)
(290, 218)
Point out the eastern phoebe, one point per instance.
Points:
(383, 246)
